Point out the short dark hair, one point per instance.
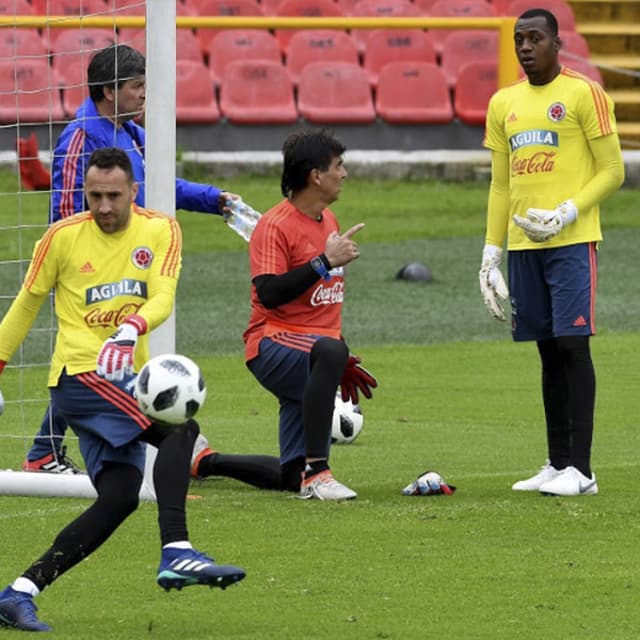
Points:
(549, 18)
(112, 66)
(110, 157)
(304, 151)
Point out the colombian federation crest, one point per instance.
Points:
(556, 112)
(142, 257)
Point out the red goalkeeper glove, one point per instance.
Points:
(356, 377)
(115, 359)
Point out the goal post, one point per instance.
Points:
(160, 152)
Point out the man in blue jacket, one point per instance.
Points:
(117, 88)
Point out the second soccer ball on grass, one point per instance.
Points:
(170, 389)
(347, 421)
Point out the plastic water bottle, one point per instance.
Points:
(242, 219)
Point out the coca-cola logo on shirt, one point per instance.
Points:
(328, 295)
(98, 317)
(541, 162)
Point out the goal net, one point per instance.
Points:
(45, 48)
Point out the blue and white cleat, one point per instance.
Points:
(18, 610)
(185, 567)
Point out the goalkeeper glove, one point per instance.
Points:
(542, 224)
(492, 284)
(356, 377)
(115, 359)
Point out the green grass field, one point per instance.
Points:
(456, 395)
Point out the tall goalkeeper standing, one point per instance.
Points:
(555, 156)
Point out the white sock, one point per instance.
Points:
(25, 586)
(180, 544)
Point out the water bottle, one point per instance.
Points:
(242, 219)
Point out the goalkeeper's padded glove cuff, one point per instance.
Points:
(491, 255)
(568, 211)
(138, 322)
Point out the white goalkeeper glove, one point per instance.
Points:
(492, 284)
(115, 359)
(542, 224)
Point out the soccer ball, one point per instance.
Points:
(170, 389)
(347, 421)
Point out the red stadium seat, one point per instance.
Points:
(457, 9)
(187, 45)
(318, 45)
(500, 6)
(335, 92)
(195, 94)
(241, 44)
(561, 10)
(270, 7)
(27, 93)
(257, 92)
(346, 6)
(584, 67)
(78, 45)
(222, 8)
(21, 43)
(477, 82)
(75, 89)
(203, 7)
(125, 7)
(574, 43)
(412, 93)
(69, 7)
(380, 9)
(464, 46)
(304, 9)
(424, 6)
(15, 8)
(394, 45)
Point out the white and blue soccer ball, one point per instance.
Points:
(170, 389)
(347, 421)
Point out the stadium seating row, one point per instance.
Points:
(261, 92)
(384, 45)
(402, 80)
(304, 8)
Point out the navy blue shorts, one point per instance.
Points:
(284, 371)
(105, 417)
(553, 292)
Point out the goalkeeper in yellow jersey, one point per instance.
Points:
(555, 155)
(114, 270)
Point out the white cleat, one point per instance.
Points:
(570, 482)
(547, 472)
(201, 449)
(323, 486)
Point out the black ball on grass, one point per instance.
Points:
(414, 272)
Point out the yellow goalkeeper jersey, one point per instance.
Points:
(545, 130)
(99, 280)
